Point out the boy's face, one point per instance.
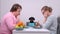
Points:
(46, 13)
(31, 20)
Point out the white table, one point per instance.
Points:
(31, 31)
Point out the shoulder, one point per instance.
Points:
(27, 22)
(7, 15)
(52, 17)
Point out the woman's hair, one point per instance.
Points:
(45, 8)
(15, 7)
(31, 18)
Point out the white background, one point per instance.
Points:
(30, 8)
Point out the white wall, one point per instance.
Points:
(30, 8)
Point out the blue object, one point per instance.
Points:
(31, 24)
(19, 28)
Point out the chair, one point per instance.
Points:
(58, 27)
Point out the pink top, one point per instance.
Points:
(8, 23)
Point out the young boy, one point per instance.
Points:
(32, 23)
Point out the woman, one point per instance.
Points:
(9, 20)
(50, 21)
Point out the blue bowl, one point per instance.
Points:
(19, 28)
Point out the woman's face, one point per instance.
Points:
(18, 11)
(46, 13)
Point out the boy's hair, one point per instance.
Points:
(31, 18)
(45, 8)
(15, 7)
